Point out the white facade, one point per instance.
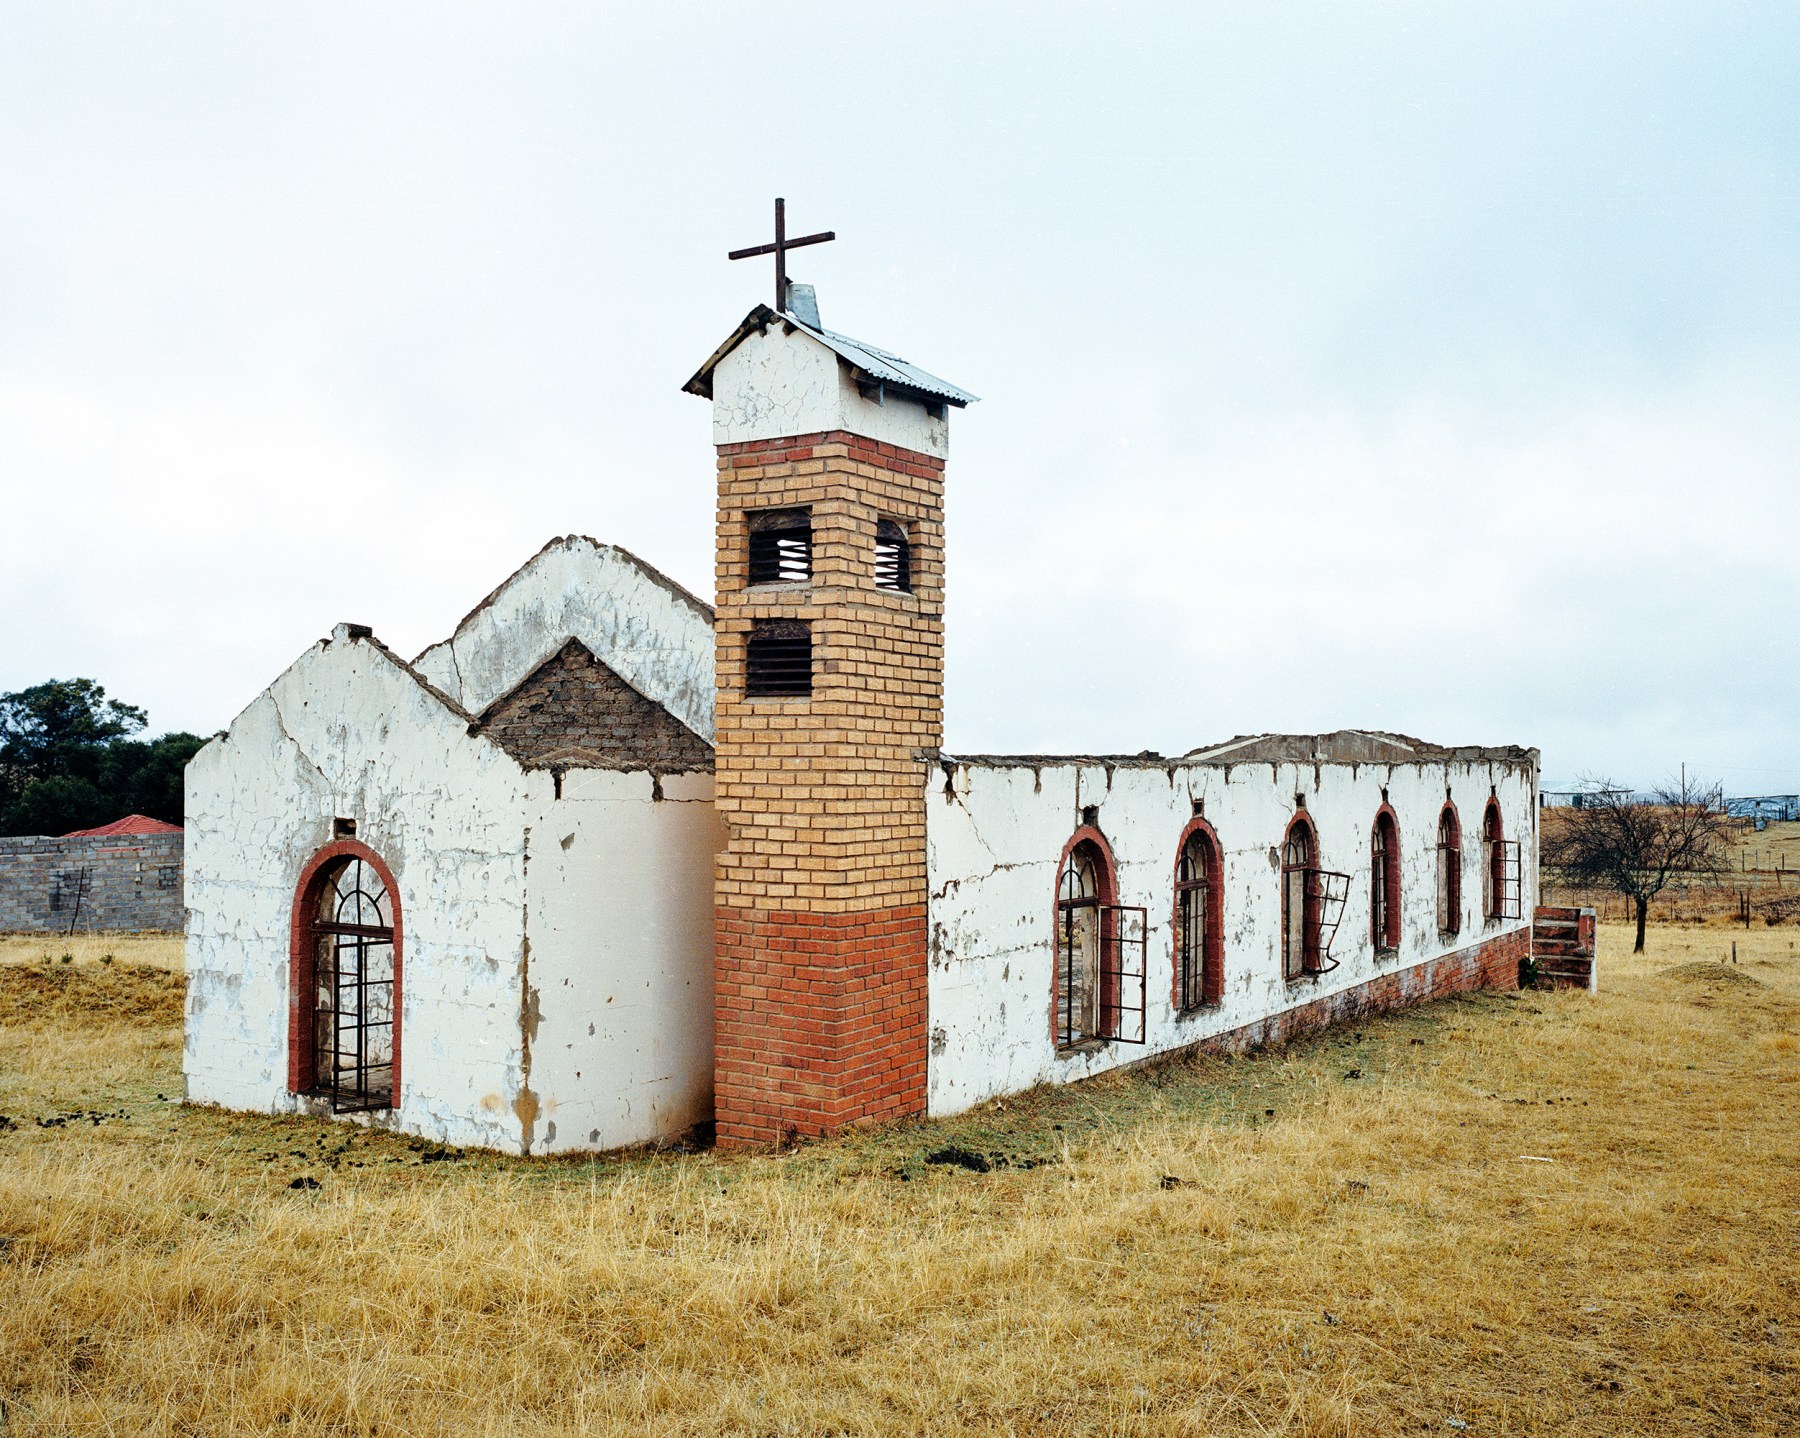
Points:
(656, 636)
(996, 830)
(556, 927)
(774, 384)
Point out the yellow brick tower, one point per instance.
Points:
(830, 653)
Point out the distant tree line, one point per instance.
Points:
(68, 760)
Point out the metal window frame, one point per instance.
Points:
(1193, 931)
(1378, 887)
(1068, 1034)
(1449, 882)
(1331, 890)
(1125, 930)
(1507, 866)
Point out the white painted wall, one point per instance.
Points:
(556, 952)
(992, 852)
(654, 635)
(347, 732)
(783, 383)
(621, 966)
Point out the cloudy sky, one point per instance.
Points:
(1417, 366)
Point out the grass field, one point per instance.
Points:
(1539, 1213)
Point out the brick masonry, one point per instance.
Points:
(820, 892)
(125, 884)
(573, 709)
(1493, 964)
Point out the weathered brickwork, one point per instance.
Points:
(821, 890)
(573, 709)
(101, 884)
(820, 1020)
(1490, 965)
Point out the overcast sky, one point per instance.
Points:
(1405, 366)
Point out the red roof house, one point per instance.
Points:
(130, 824)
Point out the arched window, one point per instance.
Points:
(1100, 950)
(1199, 920)
(1384, 882)
(1449, 872)
(1299, 900)
(1500, 876)
(893, 557)
(344, 1041)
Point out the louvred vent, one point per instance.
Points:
(778, 658)
(893, 558)
(781, 547)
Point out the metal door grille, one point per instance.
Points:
(354, 999)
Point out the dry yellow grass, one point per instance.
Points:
(1551, 1213)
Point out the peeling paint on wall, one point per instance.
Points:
(995, 833)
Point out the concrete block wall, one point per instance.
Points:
(127, 884)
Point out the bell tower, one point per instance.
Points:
(830, 671)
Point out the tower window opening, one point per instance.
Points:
(781, 547)
(778, 658)
(893, 557)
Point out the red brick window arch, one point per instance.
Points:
(1085, 894)
(1449, 871)
(1300, 953)
(1384, 882)
(344, 999)
(1199, 919)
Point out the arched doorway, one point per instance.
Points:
(344, 1031)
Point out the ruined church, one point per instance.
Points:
(608, 865)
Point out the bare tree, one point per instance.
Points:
(1634, 844)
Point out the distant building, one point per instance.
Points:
(124, 877)
(1766, 808)
(1578, 795)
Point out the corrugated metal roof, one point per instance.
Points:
(875, 364)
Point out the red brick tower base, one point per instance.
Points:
(820, 1021)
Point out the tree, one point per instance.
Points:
(68, 760)
(1635, 844)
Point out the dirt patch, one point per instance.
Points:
(97, 994)
(1704, 973)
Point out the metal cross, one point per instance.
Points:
(779, 249)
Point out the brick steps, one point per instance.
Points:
(1562, 947)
